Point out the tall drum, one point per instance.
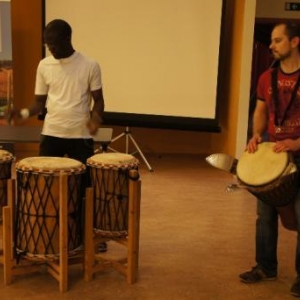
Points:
(37, 209)
(273, 178)
(110, 173)
(6, 159)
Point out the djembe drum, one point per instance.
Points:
(110, 173)
(37, 208)
(273, 178)
(6, 159)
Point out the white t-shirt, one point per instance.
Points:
(68, 82)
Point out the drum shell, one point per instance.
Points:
(37, 213)
(111, 197)
(279, 193)
(5, 175)
(272, 178)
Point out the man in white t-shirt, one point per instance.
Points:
(66, 83)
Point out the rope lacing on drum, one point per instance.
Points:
(36, 206)
(33, 227)
(111, 201)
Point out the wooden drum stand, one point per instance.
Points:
(124, 261)
(57, 268)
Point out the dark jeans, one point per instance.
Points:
(267, 235)
(80, 149)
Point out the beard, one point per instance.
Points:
(281, 56)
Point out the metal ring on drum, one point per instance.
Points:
(110, 173)
(37, 208)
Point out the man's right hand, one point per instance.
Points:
(10, 115)
(253, 142)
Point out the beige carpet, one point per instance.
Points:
(195, 239)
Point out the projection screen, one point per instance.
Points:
(159, 59)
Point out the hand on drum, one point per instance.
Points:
(253, 142)
(280, 146)
(287, 145)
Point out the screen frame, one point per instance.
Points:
(169, 122)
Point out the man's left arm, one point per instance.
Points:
(97, 111)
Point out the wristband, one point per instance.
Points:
(24, 112)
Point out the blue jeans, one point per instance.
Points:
(267, 236)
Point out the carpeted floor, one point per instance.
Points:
(195, 239)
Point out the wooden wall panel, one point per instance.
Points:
(27, 48)
(27, 25)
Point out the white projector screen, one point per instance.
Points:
(159, 58)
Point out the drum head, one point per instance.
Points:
(49, 164)
(5, 156)
(262, 166)
(118, 160)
